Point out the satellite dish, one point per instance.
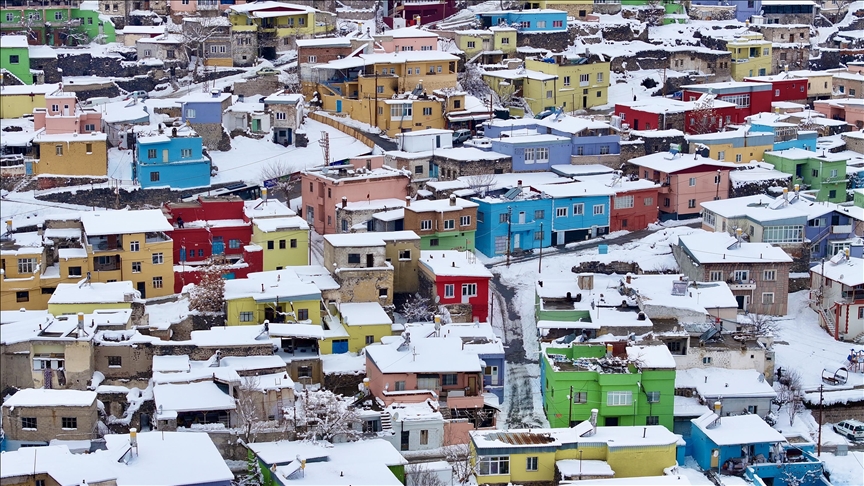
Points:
(395, 415)
(437, 298)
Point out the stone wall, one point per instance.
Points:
(613, 161)
(661, 144)
(49, 66)
(85, 64)
(50, 182)
(621, 268)
(244, 48)
(344, 383)
(756, 187)
(197, 353)
(257, 86)
(630, 149)
(105, 197)
(213, 136)
(835, 413)
(362, 285)
(560, 41)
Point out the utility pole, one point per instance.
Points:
(376, 96)
(570, 414)
(540, 262)
(509, 232)
(819, 440)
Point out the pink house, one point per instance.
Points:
(411, 369)
(62, 114)
(850, 110)
(687, 180)
(362, 179)
(406, 39)
(192, 6)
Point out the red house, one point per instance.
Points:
(420, 12)
(456, 278)
(634, 205)
(784, 87)
(749, 98)
(657, 113)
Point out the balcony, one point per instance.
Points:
(106, 243)
(454, 400)
(841, 229)
(741, 284)
(106, 264)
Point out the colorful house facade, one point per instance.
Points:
(15, 57)
(458, 281)
(529, 20)
(824, 173)
(751, 56)
(174, 160)
(442, 224)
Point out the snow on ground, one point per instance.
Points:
(625, 86)
(347, 120)
(808, 348)
(165, 314)
(235, 164)
(845, 470)
(25, 210)
(343, 364)
(677, 34)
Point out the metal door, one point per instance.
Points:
(338, 106)
(516, 241)
(340, 346)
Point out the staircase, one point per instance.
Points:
(828, 319)
(386, 421)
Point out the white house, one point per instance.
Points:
(425, 140)
(841, 303)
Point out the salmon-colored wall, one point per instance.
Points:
(852, 114)
(679, 191)
(55, 121)
(416, 43)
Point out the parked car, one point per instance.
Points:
(460, 136)
(267, 70)
(852, 429)
(544, 114)
(137, 95)
(99, 100)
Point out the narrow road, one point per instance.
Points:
(618, 240)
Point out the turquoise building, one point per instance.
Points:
(175, 161)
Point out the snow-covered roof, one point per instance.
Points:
(258, 208)
(42, 52)
(707, 247)
(407, 32)
(269, 286)
(249, 363)
(740, 177)
(372, 204)
(737, 430)
(423, 355)
(440, 205)
(42, 137)
(801, 154)
(171, 364)
(666, 162)
(144, 29)
(363, 314)
(296, 330)
(57, 461)
(660, 106)
(591, 468)
(12, 41)
(575, 189)
(653, 357)
(848, 272)
(42, 397)
(94, 293)
(621, 436)
(689, 406)
(656, 290)
(712, 383)
(26, 89)
(192, 397)
(200, 97)
(269, 225)
(759, 208)
(666, 480)
(228, 336)
(324, 42)
(354, 240)
(284, 98)
(347, 455)
(513, 74)
(452, 263)
(124, 222)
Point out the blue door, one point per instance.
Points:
(338, 106)
(218, 245)
(340, 346)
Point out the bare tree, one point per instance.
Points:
(209, 294)
(480, 183)
(248, 411)
(323, 415)
(790, 394)
(419, 475)
(459, 457)
(471, 81)
(417, 309)
(278, 172)
(761, 324)
(704, 118)
(195, 34)
(654, 13)
(253, 475)
(812, 476)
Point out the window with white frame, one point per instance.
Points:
(157, 282)
(599, 78)
(566, 80)
(465, 221)
(449, 224)
(561, 212)
(469, 290)
(741, 275)
(624, 202)
(741, 101)
(767, 298)
(425, 224)
(580, 397)
(50, 361)
(158, 258)
(783, 234)
(539, 155)
(427, 111)
(26, 265)
(549, 94)
(190, 113)
(312, 59)
(648, 201)
(281, 115)
(653, 396)
(769, 275)
(449, 291)
(584, 78)
(494, 465)
(401, 110)
(185, 153)
(599, 209)
(715, 276)
(619, 398)
(578, 209)
(500, 245)
(692, 181)
(531, 463)
(604, 150)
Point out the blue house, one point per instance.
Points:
(587, 137)
(534, 152)
(204, 107)
(175, 161)
(580, 210)
(746, 445)
(830, 228)
(534, 20)
(529, 214)
(786, 135)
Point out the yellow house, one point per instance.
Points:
(275, 296)
(131, 246)
(365, 322)
(75, 154)
(751, 56)
(285, 21)
(819, 83)
(536, 455)
(282, 235)
(741, 146)
(493, 44)
(72, 298)
(22, 278)
(17, 101)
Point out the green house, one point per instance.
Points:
(823, 173)
(58, 25)
(15, 57)
(628, 385)
(858, 197)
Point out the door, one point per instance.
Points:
(560, 237)
(340, 346)
(517, 243)
(715, 458)
(437, 141)
(493, 375)
(218, 246)
(370, 260)
(404, 442)
(584, 102)
(472, 384)
(142, 289)
(164, 155)
(338, 106)
(521, 217)
(65, 110)
(743, 301)
(256, 125)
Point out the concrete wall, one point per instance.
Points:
(49, 424)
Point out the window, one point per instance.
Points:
(185, 153)
(472, 44)
(26, 265)
(427, 111)
(580, 397)
(623, 202)
(815, 173)
(706, 360)
(312, 59)
(566, 80)
(190, 113)
(767, 298)
(505, 40)
(425, 225)
(115, 361)
(157, 258)
(741, 101)
(666, 202)
(136, 266)
(539, 214)
(584, 79)
(531, 463)
(752, 409)
(400, 386)
(449, 291)
(14, 59)
(58, 150)
(741, 275)
(604, 150)
(302, 314)
(157, 282)
(769, 275)
(715, 276)
(234, 243)
(491, 465)
(465, 221)
(154, 176)
(281, 116)
(28, 423)
(304, 372)
(649, 201)
(541, 24)
(653, 396)
(692, 181)
(382, 293)
(247, 316)
(424, 437)
(500, 245)
(10, 17)
(74, 271)
(469, 290)
(22, 296)
(449, 379)
(433, 242)
(503, 217)
(449, 224)
(524, 25)
(538, 236)
(652, 420)
(370, 340)
(282, 244)
(549, 94)
(538, 155)
(619, 398)
(691, 203)
(557, 23)
(401, 110)
(404, 254)
(271, 245)
(561, 212)
(353, 258)
(599, 209)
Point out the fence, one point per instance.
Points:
(359, 135)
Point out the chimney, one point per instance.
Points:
(738, 232)
(629, 277)
(797, 187)
(718, 408)
(786, 194)
(264, 194)
(519, 183)
(593, 421)
(133, 437)
(407, 201)
(452, 199)
(344, 202)
(81, 320)
(609, 350)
